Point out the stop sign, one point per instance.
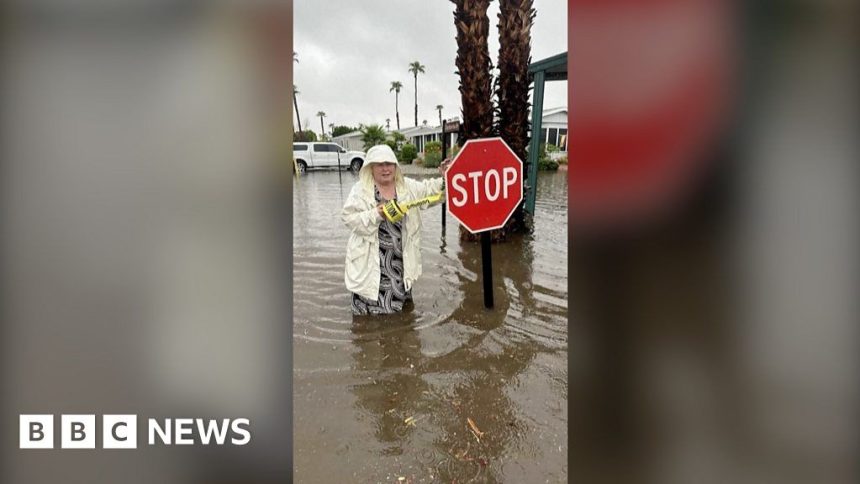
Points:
(484, 184)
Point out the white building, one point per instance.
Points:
(417, 135)
(350, 141)
(553, 131)
(420, 135)
(554, 128)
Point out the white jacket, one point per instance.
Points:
(359, 213)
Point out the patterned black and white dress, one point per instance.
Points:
(392, 291)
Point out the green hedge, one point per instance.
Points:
(408, 152)
(393, 145)
(547, 164)
(432, 154)
(544, 162)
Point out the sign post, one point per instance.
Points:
(487, 269)
(483, 188)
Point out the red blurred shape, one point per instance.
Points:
(650, 88)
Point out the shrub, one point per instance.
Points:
(453, 150)
(432, 154)
(432, 160)
(551, 148)
(547, 164)
(433, 146)
(544, 162)
(562, 160)
(398, 138)
(340, 130)
(408, 152)
(393, 145)
(306, 135)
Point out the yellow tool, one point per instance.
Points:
(395, 211)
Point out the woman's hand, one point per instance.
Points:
(380, 210)
(444, 166)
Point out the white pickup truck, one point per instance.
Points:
(325, 155)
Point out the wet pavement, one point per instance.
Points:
(378, 399)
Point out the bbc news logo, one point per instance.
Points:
(120, 431)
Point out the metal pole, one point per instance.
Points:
(534, 144)
(444, 155)
(487, 266)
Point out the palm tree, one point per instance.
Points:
(387, 124)
(439, 108)
(474, 68)
(321, 114)
(296, 91)
(396, 86)
(372, 135)
(415, 68)
(296, 104)
(515, 21)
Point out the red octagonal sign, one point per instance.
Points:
(484, 184)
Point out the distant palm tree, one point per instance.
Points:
(424, 123)
(295, 102)
(396, 86)
(321, 114)
(439, 108)
(415, 68)
(388, 124)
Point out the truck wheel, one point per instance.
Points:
(355, 165)
(303, 167)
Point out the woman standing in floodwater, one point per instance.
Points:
(383, 258)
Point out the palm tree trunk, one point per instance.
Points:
(397, 109)
(298, 119)
(474, 67)
(416, 98)
(512, 90)
(322, 128)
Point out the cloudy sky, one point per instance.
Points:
(350, 51)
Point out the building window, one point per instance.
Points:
(543, 135)
(562, 139)
(552, 139)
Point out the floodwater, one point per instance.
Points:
(378, 399)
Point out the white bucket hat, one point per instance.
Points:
(379, 154)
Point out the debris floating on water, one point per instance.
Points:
(474, 427)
